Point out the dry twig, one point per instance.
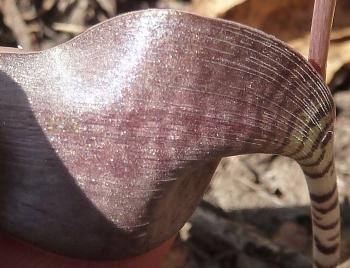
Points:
(207, 224)
(14, 20)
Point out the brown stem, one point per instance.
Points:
(322, 21)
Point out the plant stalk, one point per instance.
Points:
(321, 26)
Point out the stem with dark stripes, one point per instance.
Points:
(325, 204)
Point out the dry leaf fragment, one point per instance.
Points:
(213, 8)
(110, 7)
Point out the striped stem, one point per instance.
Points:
(321, 178)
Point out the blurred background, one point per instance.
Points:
(256, 211)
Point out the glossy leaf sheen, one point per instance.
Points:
(109, 141)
